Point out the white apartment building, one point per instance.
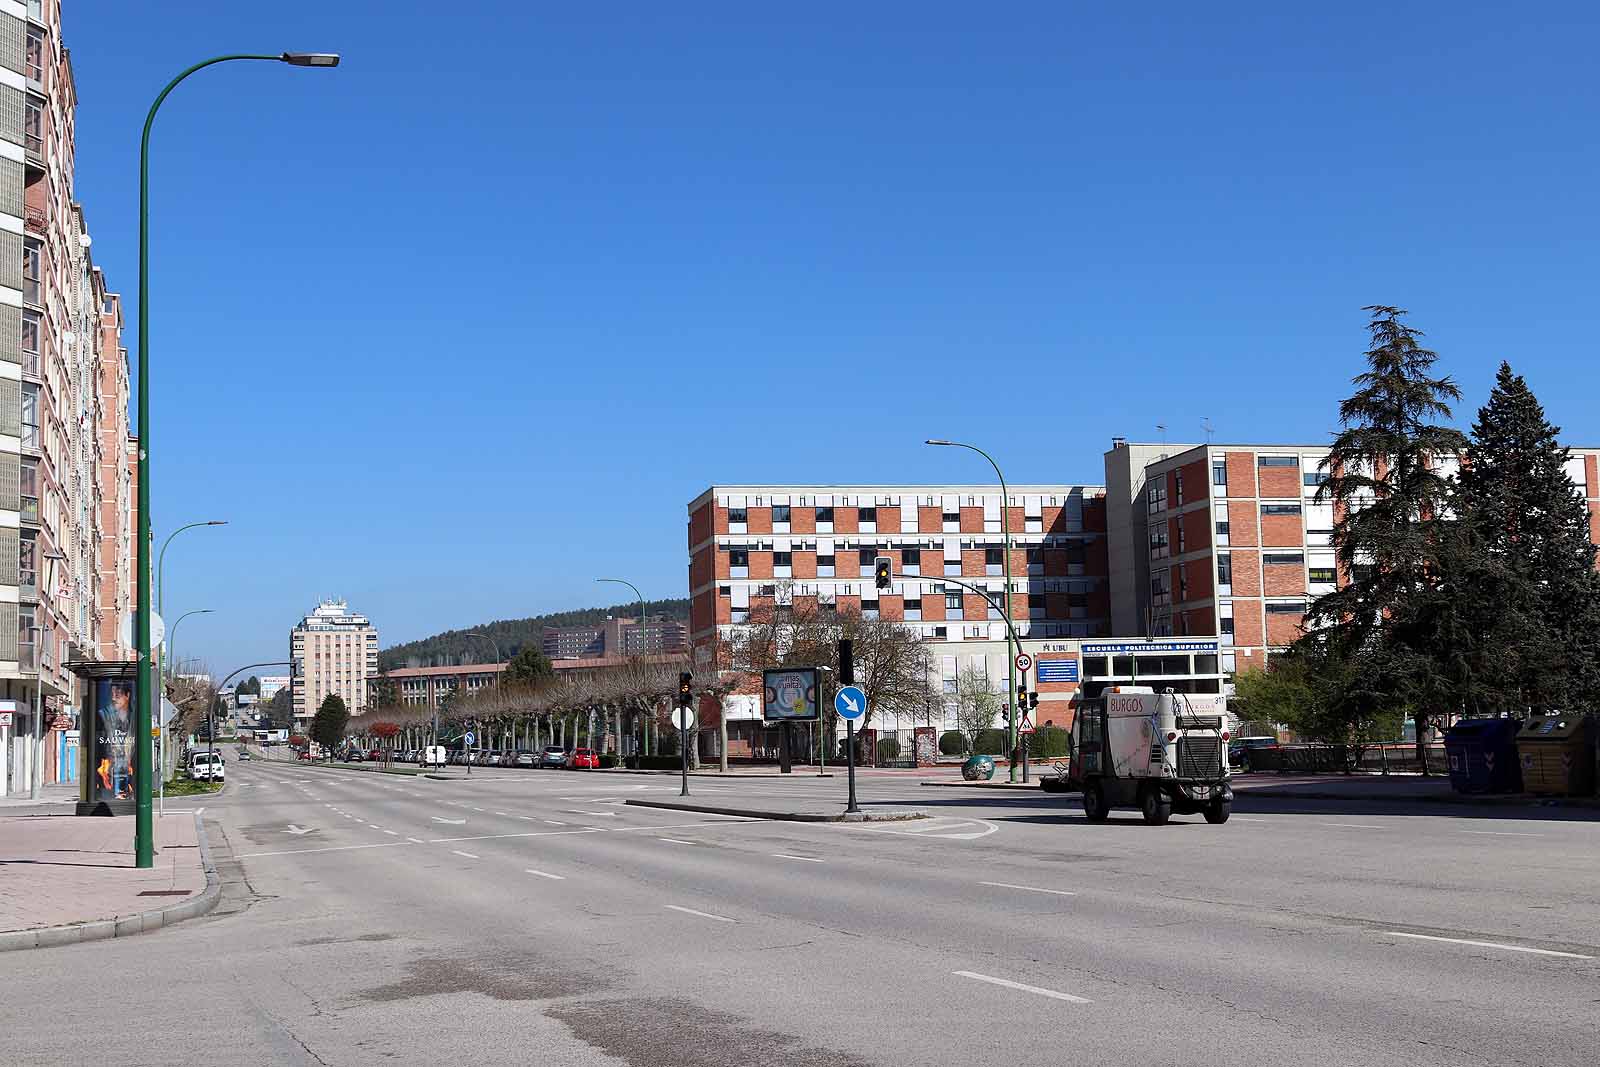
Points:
(332, 650)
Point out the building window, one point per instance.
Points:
(1158, 540)
(780, 513)
(1278, 461)
(738, 515)
(867, 515)
(1226, 625)
(913, 610)
(1225, 568)
(28, 559)
(952, 600)
(911, 560)
(1177, 486)
(1283, 559)
(32, 270)
(1156, 494)
(782, 559)
(738, 563)
(1280, 509)
(994, 560)
(30, 415)
(1219, 472)
(30, 489)
(33, 126)
(30, 342)
(824, 514)
(1323, 576)
(824, 566)
(868, 558)
(33, 58)
(1285, 607)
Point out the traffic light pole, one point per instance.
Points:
(847, 676)
(685, 702)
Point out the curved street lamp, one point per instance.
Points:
(645, 747)
(144, 823)
(1012, 645)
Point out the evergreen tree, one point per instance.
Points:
(1390, 501)
(328, 724)
(1534, 576)
(528, 668)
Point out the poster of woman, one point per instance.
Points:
(111, 761)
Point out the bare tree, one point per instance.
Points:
(977, 703)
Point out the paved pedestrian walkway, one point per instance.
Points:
(61, 869)
(57, 795)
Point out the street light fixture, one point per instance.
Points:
(36, 757)
(1011, 646)
(170, 661)
(645, 749)
(144, 825)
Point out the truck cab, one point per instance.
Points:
(1161, 753)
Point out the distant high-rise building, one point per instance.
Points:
(332, 650)
(616, 637)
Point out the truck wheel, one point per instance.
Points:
(1217, 811)
(1157, 807)
(1094, 803)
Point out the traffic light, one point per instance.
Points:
(881, 572)
(685, 680)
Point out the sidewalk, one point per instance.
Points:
(64, 794)
(65, 879)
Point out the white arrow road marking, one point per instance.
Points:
(1007, 983)
(701, 914)
(451, 822)
(298, 830)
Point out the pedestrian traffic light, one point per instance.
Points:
(685, 680)
(881, 572)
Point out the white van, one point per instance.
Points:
(207, 766)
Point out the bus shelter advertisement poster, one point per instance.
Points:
(111, 760)
(790, 695)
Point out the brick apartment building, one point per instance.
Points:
(331, 650)
(619, 636)
(1229, 540)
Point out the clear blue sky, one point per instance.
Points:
(526, 278)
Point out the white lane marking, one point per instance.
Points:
(542, 874)
(391, 833)
(477, 809)
(1029, 888)
(553, 822)
(1486, 944)
(1499, 833)
(450, 822)
(486, 837)
(502, 813)
(303, 851)
(526, 818)
(415, 840)
(1352, 825)
(575, 811)
(375, 826)
(1068, 997)
(674, 841)
(467, 855)
(1241, 818)
(802, 859)
(701, 914)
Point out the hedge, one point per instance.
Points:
(952, 743)
(1048, 742)
(991, 742)
(655, 763)
(888, 750)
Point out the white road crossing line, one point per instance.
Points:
(467, 855)
(802, 859)
(1487, 944)
(1499, 833)
(701, 914)
(1029, 889)
(674, 841)
(545, 874)
(1007, 983)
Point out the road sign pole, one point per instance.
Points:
(683, 746)
(847, 678)
(1024, 704)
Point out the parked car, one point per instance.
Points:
(374, 754)
(354, 755)
(207, 766)
(525, 757)
(553, 756)
(1240, 749)
(583, 759)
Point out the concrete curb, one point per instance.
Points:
(1461, 799)
(142, 923)
(984, 785)
(784, 816)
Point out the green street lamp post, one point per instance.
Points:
(144, 823)
(645, 730)
(162, 657)
(1011, 642)
(171, 663)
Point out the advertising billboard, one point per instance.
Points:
(111, 741)
(791, 694)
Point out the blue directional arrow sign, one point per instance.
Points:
(850, 702)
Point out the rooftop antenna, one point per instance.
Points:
(1205, 424)
(1161, 428)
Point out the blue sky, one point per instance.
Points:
(526, 278)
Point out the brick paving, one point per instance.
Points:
(60, 869)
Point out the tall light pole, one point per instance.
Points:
(36, 757)
(645, 750)
(144, 824)
(485, 637)
(163, 656)
(170, 662)
(1011, 649)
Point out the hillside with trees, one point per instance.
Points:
(512, 635)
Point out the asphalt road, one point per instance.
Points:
(530, 916)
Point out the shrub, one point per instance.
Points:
(1048, 742)
(608, 760)
(952, 743)
(991, 742)
(655, 763)
(888, 750)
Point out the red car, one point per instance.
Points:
(584, 758)
(373, 755)
(305, 753)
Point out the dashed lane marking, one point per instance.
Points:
(1487, 944)
(466, 855)
(1030, 889)
(546, 874)
(1023, 987)
(700, 914)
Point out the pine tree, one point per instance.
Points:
(1390, 499)
(1531, 525)
(328, 724)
